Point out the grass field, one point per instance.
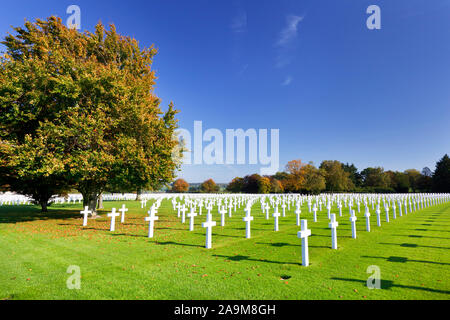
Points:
(412, 252)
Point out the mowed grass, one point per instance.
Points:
(412, 252)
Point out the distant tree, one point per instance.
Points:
(314, 180)
(180, 186)
(425, 183)
(264, 185)
(209, 186)
(236, 185)
(354, 174)
(375, 177)
(336, 178)
(441, 176)
(276, 186)
(251, 183)
(295, 179)
(413, 176)
(398, 181)
(427, 172)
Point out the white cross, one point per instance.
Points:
(85, 215)
(209, 224)
(183, 214)
(297, 213)
(151, 219)
(315, 213)
(113, 216)
(304, 234)
(353, 221)
(143, 203)
(222, 212)
(267, 211)
(123, 210)
(378, 212)
(191, 215)
(178, 207)
(284, 209)
(367, 215)
(276, 214)
(333, 225)
(248, 218)
(387, 213)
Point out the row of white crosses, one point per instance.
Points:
(225, 204)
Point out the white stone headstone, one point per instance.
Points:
(333, 225)
(304, 234)
(85, 214)
(113, 216)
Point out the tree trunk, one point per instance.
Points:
(44, 206)
(90, 200)
(100, 201)
(138, 194)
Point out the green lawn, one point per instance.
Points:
(412, 252)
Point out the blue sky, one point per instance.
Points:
(312, 69)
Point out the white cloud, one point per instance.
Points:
(239, 23)
(287, 81)
(290, 30)
(285, 41)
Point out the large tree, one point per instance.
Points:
(441, 175)
(86, 102)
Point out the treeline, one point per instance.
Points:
(208, 186)
(334, 176)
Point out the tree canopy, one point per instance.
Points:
(78, 110)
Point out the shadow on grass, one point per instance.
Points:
(178, 244)
(278, 244)
(418, 236)
(247, 258)
(17, 214)
(129, 235)
(388, 284)
(405, 259)
(430, 230)
(413, 245)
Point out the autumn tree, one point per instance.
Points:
(294, 181)
(441, 175)
(264, 185)
(276, 186)
(180, 186)
(209, 186)
(83, 104)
